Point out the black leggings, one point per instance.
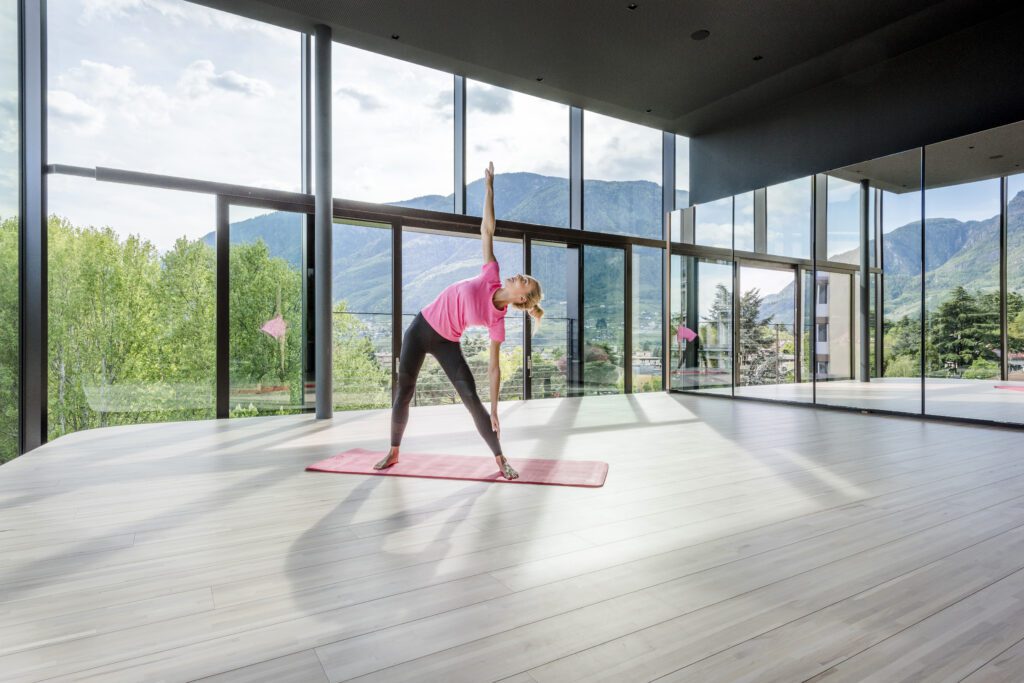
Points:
(421, 339)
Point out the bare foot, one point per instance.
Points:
(390, 459)
(506, 469)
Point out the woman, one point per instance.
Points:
(437, 329)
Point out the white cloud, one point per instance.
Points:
(115, 89)
(201, 78)
(617, 150)
(177, 13)
(365, 100)
(66, 109)
(490, 100)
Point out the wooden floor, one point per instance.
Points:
(734, 541)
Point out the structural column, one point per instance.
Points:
(32, 102)
(323, 220)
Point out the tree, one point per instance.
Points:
(759, 347)
(359, 379)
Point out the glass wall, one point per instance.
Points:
(682, 172)
(527, 138)
(265, 304)
(843, 220)
(789, 218)
(158, 87)
(621, 177)
(962, 351)
(131, 306)
(647, 319)
(431, 262)
(1015, 277)
(604, 322)
(393, 134)
(743, 220)
(701, 325)
(10, 186)
(767, 353)
(362, 296)
(554, 357)
(713, 224)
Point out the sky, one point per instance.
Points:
(8, 109)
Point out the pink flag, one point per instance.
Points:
(275, 327)
(686, 333)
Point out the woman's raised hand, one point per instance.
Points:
(489, 174)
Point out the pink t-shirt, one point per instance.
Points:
(467, 303)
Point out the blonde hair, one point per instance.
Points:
(532, 303)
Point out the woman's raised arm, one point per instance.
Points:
(487, 224)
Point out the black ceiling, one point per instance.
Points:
(603, 56)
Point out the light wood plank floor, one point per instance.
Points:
(734, 541)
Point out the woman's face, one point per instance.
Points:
(519, 287)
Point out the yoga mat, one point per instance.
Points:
(588, 473)
(1011, 388)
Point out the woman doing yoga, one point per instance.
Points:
(437, 329)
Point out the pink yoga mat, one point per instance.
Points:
(1009, 387)
(588, 473)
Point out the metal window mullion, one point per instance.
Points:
(324, 217)
(864, 288)
(459, 162)
(1004, 314)
(306, 113)
(575, 168)
(32, 239)
(668, 180)
(761, 221)
(527, 327)
(223, 311)
(396, 303)
(921, 364)
(627, 314)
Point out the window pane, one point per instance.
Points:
(266, 313)
(767, 353)
(553, 348)
(131, 308)
(700, 326)
(431, 262)
(393, 134)
(173, 88)
(712, 223)
(621, 177)
(604, 282)
(682, 172)
(962, 294)
(843, 220)
(744, 220)
(527, 138)
(789, 218)
(362, 316)
(1015, 293)
(10, 186)
(647, 319)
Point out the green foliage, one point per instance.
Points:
(982, 369)
(9, 365)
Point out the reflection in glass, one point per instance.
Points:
(175, 88)
(553, 347)
(604, 321)
(843, 220)
(131, 307)
(265, 304)
(10, 186)
(712, 223)
(700, 325)
(362, 315)
(743, 213)
(527, 138)
(621, 177)
(767, 354)
(647, 320)
(393, 132)
(789, 218)
(431, 262)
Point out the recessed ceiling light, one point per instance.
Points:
(970, 147)
(632, 5)
(758, 58)
(540, 78)
(394, 36)
(648, 110)
(996, 156)
(701, 34)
